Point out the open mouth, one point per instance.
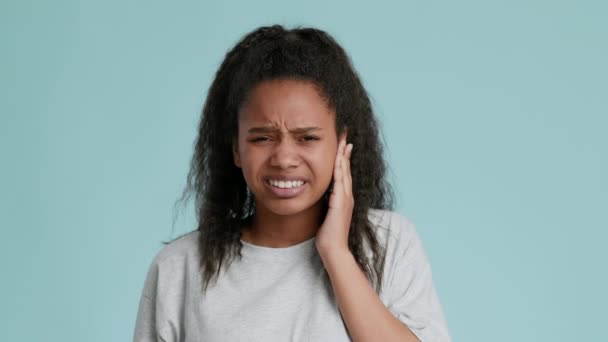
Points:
(285, 184)
(286, 189)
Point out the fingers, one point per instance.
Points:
(342, 175)
(347, 174)
(338, 171)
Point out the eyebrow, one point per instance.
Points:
(299, 130)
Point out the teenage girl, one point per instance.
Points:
(296, 237)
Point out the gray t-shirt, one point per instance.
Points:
(279, 294)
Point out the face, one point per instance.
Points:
(286, 146)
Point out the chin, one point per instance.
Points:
(288, 207)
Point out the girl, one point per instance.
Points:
(296, 240)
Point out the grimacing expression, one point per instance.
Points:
(286, 131)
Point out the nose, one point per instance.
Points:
(284, 155)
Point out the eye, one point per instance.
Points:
(260, 139)
(309, 138)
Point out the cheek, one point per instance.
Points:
(324, 163)
(251, 161)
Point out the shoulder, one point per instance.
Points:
(171, 264)
(175, 256)
(391, 226)
(400, 238)
(408, 289)
(182, 247)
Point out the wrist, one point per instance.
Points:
(328, 253)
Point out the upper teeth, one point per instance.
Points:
(285, 184)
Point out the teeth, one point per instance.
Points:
(285, 184)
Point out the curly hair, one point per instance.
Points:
(223, 202)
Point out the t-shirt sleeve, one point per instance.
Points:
(149, 319)
(412, 295)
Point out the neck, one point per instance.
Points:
(278, 231)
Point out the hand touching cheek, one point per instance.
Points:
(333, 233)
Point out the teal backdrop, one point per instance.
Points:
(494, 114)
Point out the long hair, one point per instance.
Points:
(223, 203)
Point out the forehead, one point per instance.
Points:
(286, 103)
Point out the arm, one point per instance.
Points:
(412, 297)
(145, 323)
(366, 317)
(149, 321)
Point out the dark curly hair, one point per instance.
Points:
(223, 202)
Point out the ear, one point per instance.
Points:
(235, 153)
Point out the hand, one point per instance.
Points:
(333, 233)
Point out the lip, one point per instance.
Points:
(285, 193)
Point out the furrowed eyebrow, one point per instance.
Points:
(275, 130)
(305, 130)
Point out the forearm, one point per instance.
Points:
(366, 317)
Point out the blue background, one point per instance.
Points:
(494, 113)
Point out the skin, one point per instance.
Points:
(281, 107)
